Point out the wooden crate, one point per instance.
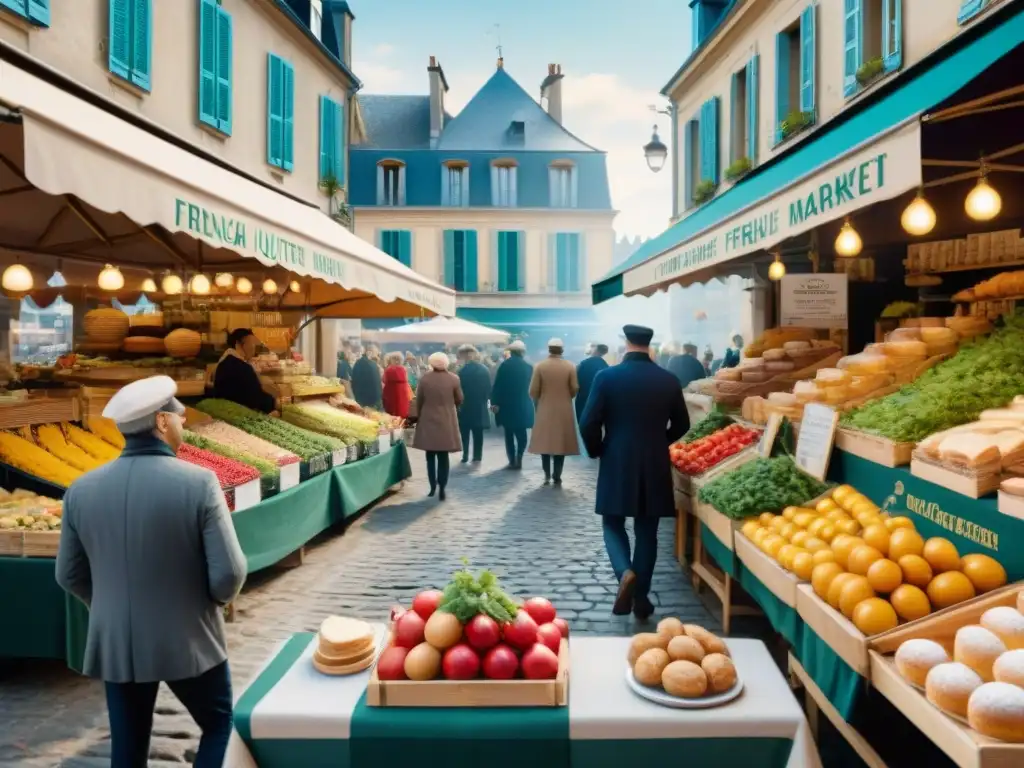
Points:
(41, 543)
(974, 483)
(779, 581)
(44, 408)
(472, 693)
(12, 543)
(880, 450)
(1011, 505)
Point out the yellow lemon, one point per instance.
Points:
(788, 530)
(790, 512)
(804, 519)
(835, 588)
(867, 519)
(841, 493)
(877, 536)
(916, 570)
(766, 519)
(862, 507)
(899, 522)
(861, 558)
(799, 538)
(821, 578)
(827, 533)
(813, 545)
(817, 525)
(779, 522)
(854, 592)
(837, 514)
(759, 535)
(851, 527)
(874, 615)
(910, 602)
(803, 565)
(941, 555)
(825, 506)
(845, 547)
(948, 589)
(785, 555)
(749, 527)
(824, 556)
(884, 575)
(904, 541)
(985, 573)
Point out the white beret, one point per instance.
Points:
(556, 343)
(143, 398)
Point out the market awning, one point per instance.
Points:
(446, 330)
(869, 154)
(531, 317)
(81, 183)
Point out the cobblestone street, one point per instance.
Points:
(540, 539)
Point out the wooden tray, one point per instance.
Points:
(779, 581)
(974, 483)
(880, 450)
(472, 693)
(51, 407)
(41, 543)
(12, 543)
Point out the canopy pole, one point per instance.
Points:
(966, 106)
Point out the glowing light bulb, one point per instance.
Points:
(17, 279)
(777, 270)
(295, 287)
(200, 285)
(110, 279)
(269, 286)
(242, 285)
(224, 280)
(148, 285)
(983, 203)
(172, 285)
(919, 217)
(848, 242)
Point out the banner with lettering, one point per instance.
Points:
(881, 170)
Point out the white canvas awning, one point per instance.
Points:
(134, 199)
(440, 330)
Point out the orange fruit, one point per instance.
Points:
(853, 592)
(948, 589)
(910, 602)
(835, 589)
(941, 555)
(916, 570)
(813, 544)
(772, 544)
(803, 565)
(789, 512)
(904, 541)
(778, 523)
(749, 527)
(827, 532)
(825, 506)
(821, 578)
(787, 531)
(824, 556)
(861, 558)
(874, 615)
(877, 536)
(844, 547)
(984, 572)
(836, 515)
(884, 575)
(759, 535)
(803, 519)
(894, 523)
(785, 555)
(799, 538)
(851, 527)
(766, 519)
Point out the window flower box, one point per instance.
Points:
(738, 169)
(705, 191)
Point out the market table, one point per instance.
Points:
(290, 714)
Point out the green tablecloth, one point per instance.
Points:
(723, 556)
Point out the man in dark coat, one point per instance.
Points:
(585, 373)
(686, 366)
(366, 380)
(476, 390)
(236, 380)
(624, 424)
(511, 403)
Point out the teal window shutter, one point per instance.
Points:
(688, 164)
(339, 142)
(119, 45)
(288, 113)
(552, 281)
(781, 82)
(326, 158)
(503, 261)
(853, 20)
(464, 187)
(735, 147)
(39, 12)
(753, 80)
(224, 71)
(446, 185)
(574, 282)
(469, 265)
(520, 261)
(142, 37)
(969, 9)
(892, 34)
(449, 258)
(275, 110)
(331, 142)
(405, 247)
(702, 130)
(808, 54)
(208, 62)
(714, 110)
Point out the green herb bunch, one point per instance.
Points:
(714, 421)
(467, 595)
(762, 485)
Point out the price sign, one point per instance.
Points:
(767, 441)
(289, 476)
(817, 435)
(247, 495)
(339, 457)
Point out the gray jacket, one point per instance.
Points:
(148, 544)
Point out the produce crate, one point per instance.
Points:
(880, 450)
(44, 407)
(298, 391)
(974, 483)
(12, 543)
(472, 693)
(777, 579)
(315, 466)
(1011, 505)
(353, 453)
(40, 543)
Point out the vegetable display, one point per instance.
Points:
(303, 443)
(710, 424)
(759, 486)
(229, 472)
(239, 440)
(265, 467)
(50, 437)
(105, 429)
(324, 419)
(698, 457)
(22, 510)
(96, 447)
(984, 374)
(467, 595)
(30, 458)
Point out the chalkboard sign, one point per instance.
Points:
(817, 435)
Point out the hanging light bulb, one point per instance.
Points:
(269, 286)
(242, 285)
(777, 270)
(148, 285)
(200, 285)
(848, 242)
(17, 279)
(919, 217)
(295, 287)
(111, 279)
(983, 203)
(172, 285)
(224, 280)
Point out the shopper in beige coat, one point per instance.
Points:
(438, 397)
(552, 388)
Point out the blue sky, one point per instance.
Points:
(615, 56)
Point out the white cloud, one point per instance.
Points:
(383, 49)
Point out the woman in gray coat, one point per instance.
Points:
(438, 397)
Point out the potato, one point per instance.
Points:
(443, 630)
(711, 643)
(645, 641)
(650, 665)
(685, 680)
(685, 648)
(671, 627)
(422, 662)
(721, 672)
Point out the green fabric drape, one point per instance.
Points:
(717, 551)
(785, 620)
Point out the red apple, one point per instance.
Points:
(460, 662)
(483, 632)
(409, 629)
(426, 602)
(541, 609)
(501, 663)
(550, 635)
(563, 626)
(521, 632)
(540, 663)
(391, 664)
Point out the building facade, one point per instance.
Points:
(262, 86)
(499, 202)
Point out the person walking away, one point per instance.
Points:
(236, 380)
(585, 373)
(624, 424)
(733, 354)
(686, 366)
(510, 402)
(148, 545)
(344, 371)
(552, 388)
(437, 422)
(366, 379)
(412, 371)
(473, 417)
(395, 394)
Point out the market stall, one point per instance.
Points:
(440, 330)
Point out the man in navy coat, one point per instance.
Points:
(585, 373)
(511, 403)
(634, 413)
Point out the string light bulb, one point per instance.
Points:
(199, 285)
(983, 203)
(17, 279)
(172, 285)
(269, 286)
(148, 285)
(848, 242)
(919, 217)
(776, 270)
(224, 280)
(242, 285)
(295, 287)
(110, 279)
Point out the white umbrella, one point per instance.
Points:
(444, 330)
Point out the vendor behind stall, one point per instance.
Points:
(236, 380)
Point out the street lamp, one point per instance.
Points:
(655, 152)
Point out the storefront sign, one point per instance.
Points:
(814, 301)
(885, 168)
(935, 513)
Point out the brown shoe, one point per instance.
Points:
(624, 599)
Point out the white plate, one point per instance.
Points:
(658, 695)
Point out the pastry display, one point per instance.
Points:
(997, 710)
(1009, 667)
(949, 687)
(978, 649)
(690, 665)
(344, 646)
(685, 648)
(720, 671)
(685, 680)
(916, 658)
(1006, 623)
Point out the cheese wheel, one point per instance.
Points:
(831, 377)
(915, 659)
(909, 349)
(784, 399)
(905, 334)
(938, 336)
(864, 364)
(774, 354)
(796, 346)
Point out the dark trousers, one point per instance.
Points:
(546, 462)
(207, 699)
(515, 444)
(477, 433)
(437, 469)
(645, 553)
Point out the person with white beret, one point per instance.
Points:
(147, 543)
(510, 402)
(552, 388)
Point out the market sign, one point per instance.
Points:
(883, 169)
(814, 301)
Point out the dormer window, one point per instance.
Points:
(517, 133)
(503, 183)
(562, 184)
(455, 183)
(390, 182)
(316, 18)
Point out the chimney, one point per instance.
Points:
(438, 88)
(551, 89)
